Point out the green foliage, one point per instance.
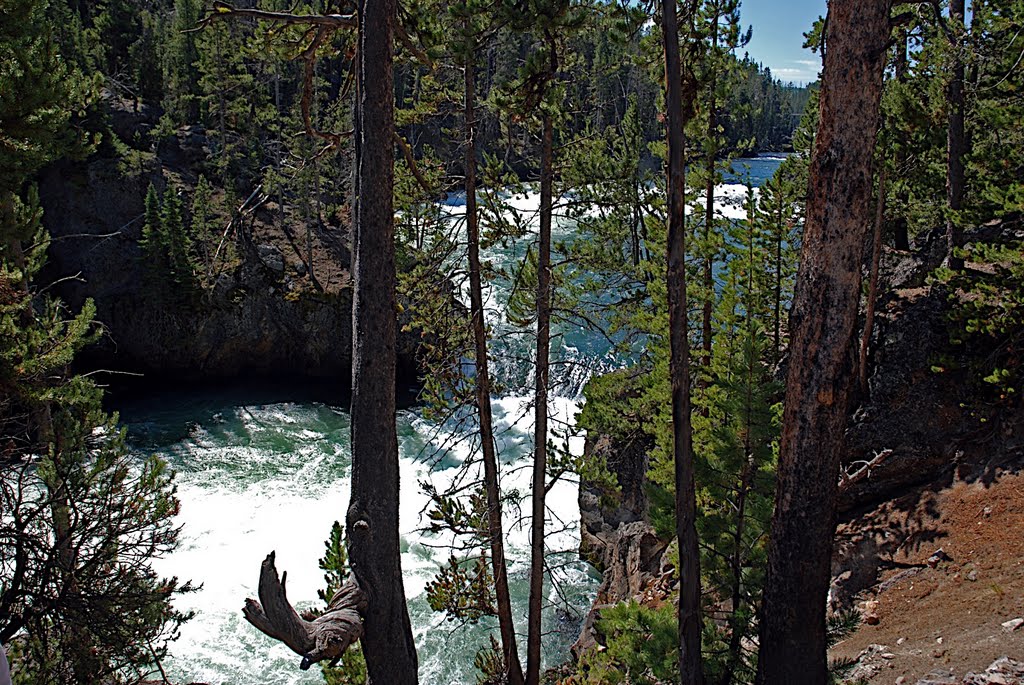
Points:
(463, 590)
(82, 519)
(180, 77)
(988, 313)
(641, 647)
(167, 246)
(839, 627)
(490, 663)
(351, 670)
(39, 94)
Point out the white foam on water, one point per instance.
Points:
(239, 503)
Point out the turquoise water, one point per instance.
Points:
(264, 468)
(274, 475)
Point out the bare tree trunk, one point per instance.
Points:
(876, 258)
(956, 141)
(822, 353)
(540, 438)
(679, 112)
(509, 650)
(709, 210)
(372, 519)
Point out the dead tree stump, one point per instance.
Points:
(326, 637)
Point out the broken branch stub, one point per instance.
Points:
(323, 639)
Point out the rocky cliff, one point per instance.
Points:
(281, 307)
(616, 535)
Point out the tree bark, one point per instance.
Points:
(679, 112)
(509, 650)
(956, 140)
(372, 520)
(323, 639)
(822, 352)
(540, 436)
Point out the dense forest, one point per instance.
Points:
(743, 351)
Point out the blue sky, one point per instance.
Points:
(779, 26)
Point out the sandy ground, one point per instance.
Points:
(946, 615)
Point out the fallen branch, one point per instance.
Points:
(863, 470)
(323, 639)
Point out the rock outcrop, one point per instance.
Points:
(924, 406)
(616, 536)
(926, 414)
(260, 317)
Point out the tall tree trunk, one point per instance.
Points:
(709, 209)
(540, 436)
(373, 512)
(510, 653)
(822, 354)
(690, 622)
(956, 140)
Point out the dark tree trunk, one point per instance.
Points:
(533, 641)
(679, 112)
(510, 652)
(709, 211)
(373, 513)
(956, 143)
(822, 353)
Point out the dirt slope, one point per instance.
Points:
(943, 613)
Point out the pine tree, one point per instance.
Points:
(82, 519)
(202, 228)
(152, 240)
(180, 76)
(176, 244)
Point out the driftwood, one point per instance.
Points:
(326, 637)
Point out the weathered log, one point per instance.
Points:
(323, 639)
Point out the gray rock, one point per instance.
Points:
(271, 258)
(243, 325)
(938, 677)
(1003, 671)
(1013, 624)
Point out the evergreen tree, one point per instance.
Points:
(151, 241)
(202, 228)
(175, 242)
(180, 76)
(83, 520)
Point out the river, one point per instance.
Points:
(264, 467)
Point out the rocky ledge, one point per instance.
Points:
(616, 536)
(264, 315)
